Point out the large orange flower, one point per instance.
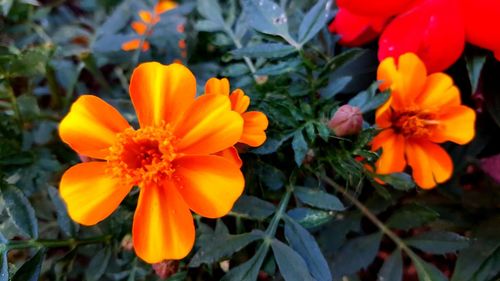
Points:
(170, 158)
(421, 112)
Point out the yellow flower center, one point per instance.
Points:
(143, 156)
(414, 124)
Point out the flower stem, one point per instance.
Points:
(238, 45)
(398, 241)
(46, 243)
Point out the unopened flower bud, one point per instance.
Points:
(127, 243)
(348, 120)
(166, 268)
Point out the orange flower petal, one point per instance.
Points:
(161, 92)
(232, 155)
(209, 184)
(90, 194)
(383, 115)
(131, 45)
(163, 226)
(430, 163)
(146, 16)
(456, 124)
(239, 101)
(253, 128)
(91, 126)
(208, 126)
(439, 92)
(165, 6)
(392, 158)
(217, 86)
(139, 27)
(406, 82)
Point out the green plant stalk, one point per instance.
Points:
(55, 97)
(238, 45)
(45, 243)
(398, 241)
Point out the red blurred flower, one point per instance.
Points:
(481, 24)
(433, 30)
(355, 30)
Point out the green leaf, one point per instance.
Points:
(266, 50)
(411, 216)
(4, 267)
(310, 218)
(323, 131)
(98, 265)
(473, 260)
(28, 106)
(235, 70)
(299, 146)
(335, 86)
(435, 242)
(63, 220)
(314, 21)
(369, 99)
(6, 5)
(249, 270)
(20, 210)
(271, 176)
(280, 68)
(427, 271)
(207, 26)
(304, 243)
(400, 181)
(267, 17)
(474, 65)
(211, 10)
(271, 145)
(356, 254)
(292, 266)
(392, 270)
(318, 198)
(252, 207)
(223, 247)
(30, 270)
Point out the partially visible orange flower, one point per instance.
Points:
(254, 122)
(423, 111)
(171, 158)
(144, 27)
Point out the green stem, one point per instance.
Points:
(398, 241)
(46, 243)
(273, 225)
(238, 45)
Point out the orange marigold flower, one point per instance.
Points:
(423, 110)
(255, 122)
(170, 158)
(148, 20)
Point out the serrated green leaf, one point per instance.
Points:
(63, 220)
(272, 177)
(412, 216)
(427, 271)
(314, 20)
(267, 17)
(475, 66)
(392, 270)
(266, 50)
(356, 254)
(299, 146)
(292, 266)
(318, 198)
(30, 270)
(98, 265)
(473, 260)
(211, 10)
(249, 270)
(280, 68)
(436, 242)
(310, 218)
(323, 131)
(20, 210)
(222, 247)
(335, 86)
(400, 181)
(304, 243)
(253, 207)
